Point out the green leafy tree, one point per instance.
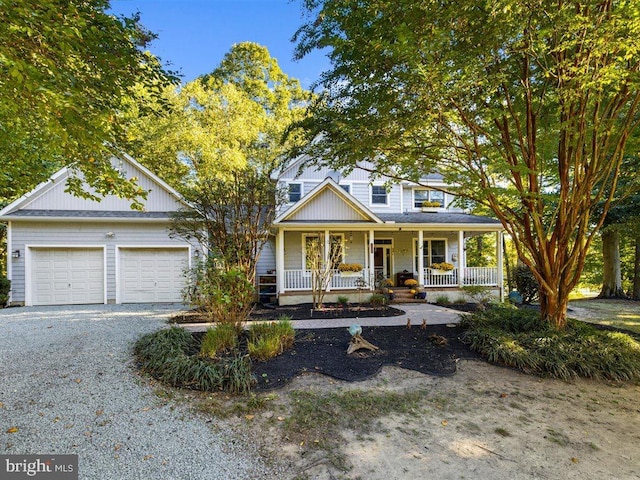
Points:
(65, 67)
(526, 106)
(231, 124)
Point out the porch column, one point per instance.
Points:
(280, 261)
(421, 279)
(372, 272)
(327, 254)
(462, 262)
(500, 258)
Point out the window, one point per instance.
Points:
(424, 195)
(313, 254)
(433, 251)
(295, 192)
(346, 188)
(378, 195)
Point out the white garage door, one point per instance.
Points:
(65, 276)
(149, 275)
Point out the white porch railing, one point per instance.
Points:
(486, 276)
(301, 280)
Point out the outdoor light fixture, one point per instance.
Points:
(110, 234)
(196, 253)
(15, 254)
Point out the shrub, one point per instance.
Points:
(378, 300)
(478, 293)
(343, 301)
(221, 339)
(410, 282)
(518, 338)
(5, 287)
(443, 300)
(170, 356)
(526, 283)
(227, 296)
(268, 340)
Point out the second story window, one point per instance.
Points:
(424, 195)
(295, 192)
(378, 195)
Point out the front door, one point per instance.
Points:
(382, 261)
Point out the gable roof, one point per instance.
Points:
(50, 200)
(328, 202)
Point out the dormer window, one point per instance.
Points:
(426, 195)
(346, 187)
(295, 192)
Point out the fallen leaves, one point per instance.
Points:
(13, 430)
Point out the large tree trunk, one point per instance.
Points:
(553, 307)
(636, 272)
(611, 274)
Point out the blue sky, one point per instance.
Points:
(194, 35)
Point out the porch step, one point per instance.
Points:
(404, 295)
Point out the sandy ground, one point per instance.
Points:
(485, 422)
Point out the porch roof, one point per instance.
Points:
(437, 218)
(412, 220)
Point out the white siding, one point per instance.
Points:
(158, 199)
(69, 234)
(267, 260)
(327, 206)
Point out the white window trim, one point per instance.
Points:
(413, 198)
(347, 184)
(415, 245)
(304, 237)
(388, 202)
(294, 182)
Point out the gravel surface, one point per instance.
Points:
(69, 386)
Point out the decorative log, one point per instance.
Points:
(358, 343)
(438, 340)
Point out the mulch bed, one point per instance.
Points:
(303, 311)
(325, 351)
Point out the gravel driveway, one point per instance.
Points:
(68, 385)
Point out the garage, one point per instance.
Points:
(151, 275)
(64, 276)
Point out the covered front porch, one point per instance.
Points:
(388, 257)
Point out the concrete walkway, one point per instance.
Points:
(434, 314)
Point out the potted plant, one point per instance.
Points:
(411, 282)
(441, 268)
(429, 206)
(420, 294)
(391, 294)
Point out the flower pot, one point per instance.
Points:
(420, 295)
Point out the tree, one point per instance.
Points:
(621, 221)
(65, 68)
(322, 259)
(526, 106)
(231, 123)
(231, 216)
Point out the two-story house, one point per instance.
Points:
(384, 228)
